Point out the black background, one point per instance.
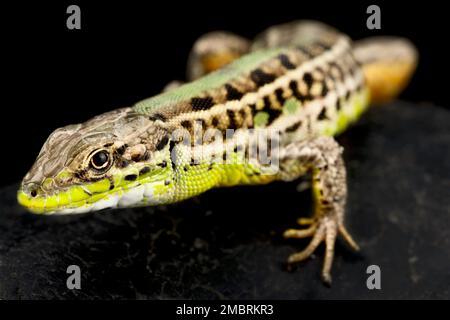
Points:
(128, 51)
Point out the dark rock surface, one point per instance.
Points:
(227, 243)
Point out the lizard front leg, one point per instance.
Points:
(323, 156)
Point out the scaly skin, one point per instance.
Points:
(299, 84)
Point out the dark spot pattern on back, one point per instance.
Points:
(233, 93)
(204, 103)
(293, 85)
(286, 62)
(270, 110)
(294, 127)
(267, 103)
(131, 177)
(215, 121)
(323, 114)
(324, 89)
(162, 143)
(279, 95)
(144, 170)
(261, 78)
(232, 119)
(308, 79)
(338, 104)
(186, 124)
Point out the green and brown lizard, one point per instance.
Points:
(297, 84)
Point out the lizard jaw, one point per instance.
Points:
(148, 194)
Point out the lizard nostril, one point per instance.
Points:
(33, 193)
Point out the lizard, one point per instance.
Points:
(299, 84)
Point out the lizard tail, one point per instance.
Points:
(388, 64)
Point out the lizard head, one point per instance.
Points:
(116, 159)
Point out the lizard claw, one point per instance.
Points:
(324, 229)
(305, 221)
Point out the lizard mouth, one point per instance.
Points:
(62, 203)
(96, 196)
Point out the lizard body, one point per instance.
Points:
(297, 85)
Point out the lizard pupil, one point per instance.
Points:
(100, 159)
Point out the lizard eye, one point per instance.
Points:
(100, 160)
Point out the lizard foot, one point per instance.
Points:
(325, 228)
